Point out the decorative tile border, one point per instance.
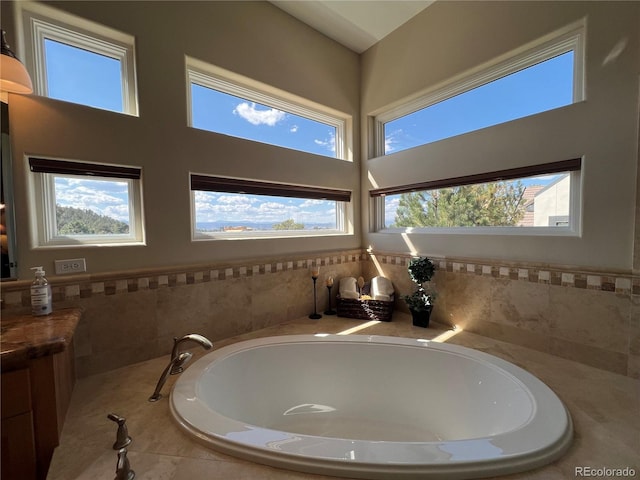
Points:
(16, 294)
(621, 284)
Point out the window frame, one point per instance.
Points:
(37, 22)
(44, 171)
(570, 38)
(211, 183)
(221, 80)
(573, 228)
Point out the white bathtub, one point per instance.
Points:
(371, 407)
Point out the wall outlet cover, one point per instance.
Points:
(73, 265)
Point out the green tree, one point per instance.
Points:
(289, 224)
(77, 221)
(489, 204)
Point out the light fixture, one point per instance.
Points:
(14, 77)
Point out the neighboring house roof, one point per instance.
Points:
(529, 195)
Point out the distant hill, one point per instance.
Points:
(220, 225)
(77, 221)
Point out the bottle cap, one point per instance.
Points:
(39, 270)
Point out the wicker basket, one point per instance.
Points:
(365, 309)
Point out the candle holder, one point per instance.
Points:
(329, 310)
(314, 276)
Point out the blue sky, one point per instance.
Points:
(543, 87)
(105, 197)
(219, 112)
(79, 76)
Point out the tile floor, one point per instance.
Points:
(605, 408)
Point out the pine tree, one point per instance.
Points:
(77, 221)
(489, 204)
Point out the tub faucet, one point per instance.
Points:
(178, 360)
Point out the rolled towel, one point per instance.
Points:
(348, 288)
(381, 286)
(384, 298)
(349, 294)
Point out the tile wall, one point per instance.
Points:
(590, 317)
(133, 316)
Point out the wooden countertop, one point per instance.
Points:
(24, 337)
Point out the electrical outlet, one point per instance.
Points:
(74, 265)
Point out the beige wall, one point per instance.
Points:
(136, 299)
(254, 39)
(449, 38)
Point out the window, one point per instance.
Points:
(86, 204)
(546, 76)
(543, 197)
(237, 208)
(222, 102)
(78, 61)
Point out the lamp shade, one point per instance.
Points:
(13, 74)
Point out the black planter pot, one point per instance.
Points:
(421, 318)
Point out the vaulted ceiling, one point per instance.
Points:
(356, 24)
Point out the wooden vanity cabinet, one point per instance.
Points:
(18, 440)
(34, 404)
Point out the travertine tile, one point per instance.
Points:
(590, 317)
(585, 315)
(603, 406)
(522, 305)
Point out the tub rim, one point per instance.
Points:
(267, 447)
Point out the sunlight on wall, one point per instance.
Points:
(372, 180)
(376, 262)
(412, 248)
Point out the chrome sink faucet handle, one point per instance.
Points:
(122, 437)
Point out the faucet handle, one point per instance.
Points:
(122, 437)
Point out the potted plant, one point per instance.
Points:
(420, 302)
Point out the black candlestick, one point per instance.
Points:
(315, 315)
(329, 310)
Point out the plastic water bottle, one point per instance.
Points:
(40, 294)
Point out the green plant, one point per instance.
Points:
(421, 270)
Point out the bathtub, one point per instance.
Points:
(371, 407)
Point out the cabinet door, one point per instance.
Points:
(17, 440)
(18, 448)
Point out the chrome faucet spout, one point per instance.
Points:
(178, 360)
(193, 337)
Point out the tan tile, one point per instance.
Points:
(590, 317)
(604, 435)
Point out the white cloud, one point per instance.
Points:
(311, 202)
(329, 144)
(259, 117)
(294, 129)
(102, 197)
(212, 206)
(391, 204)
(391, 139)
(120, 212)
